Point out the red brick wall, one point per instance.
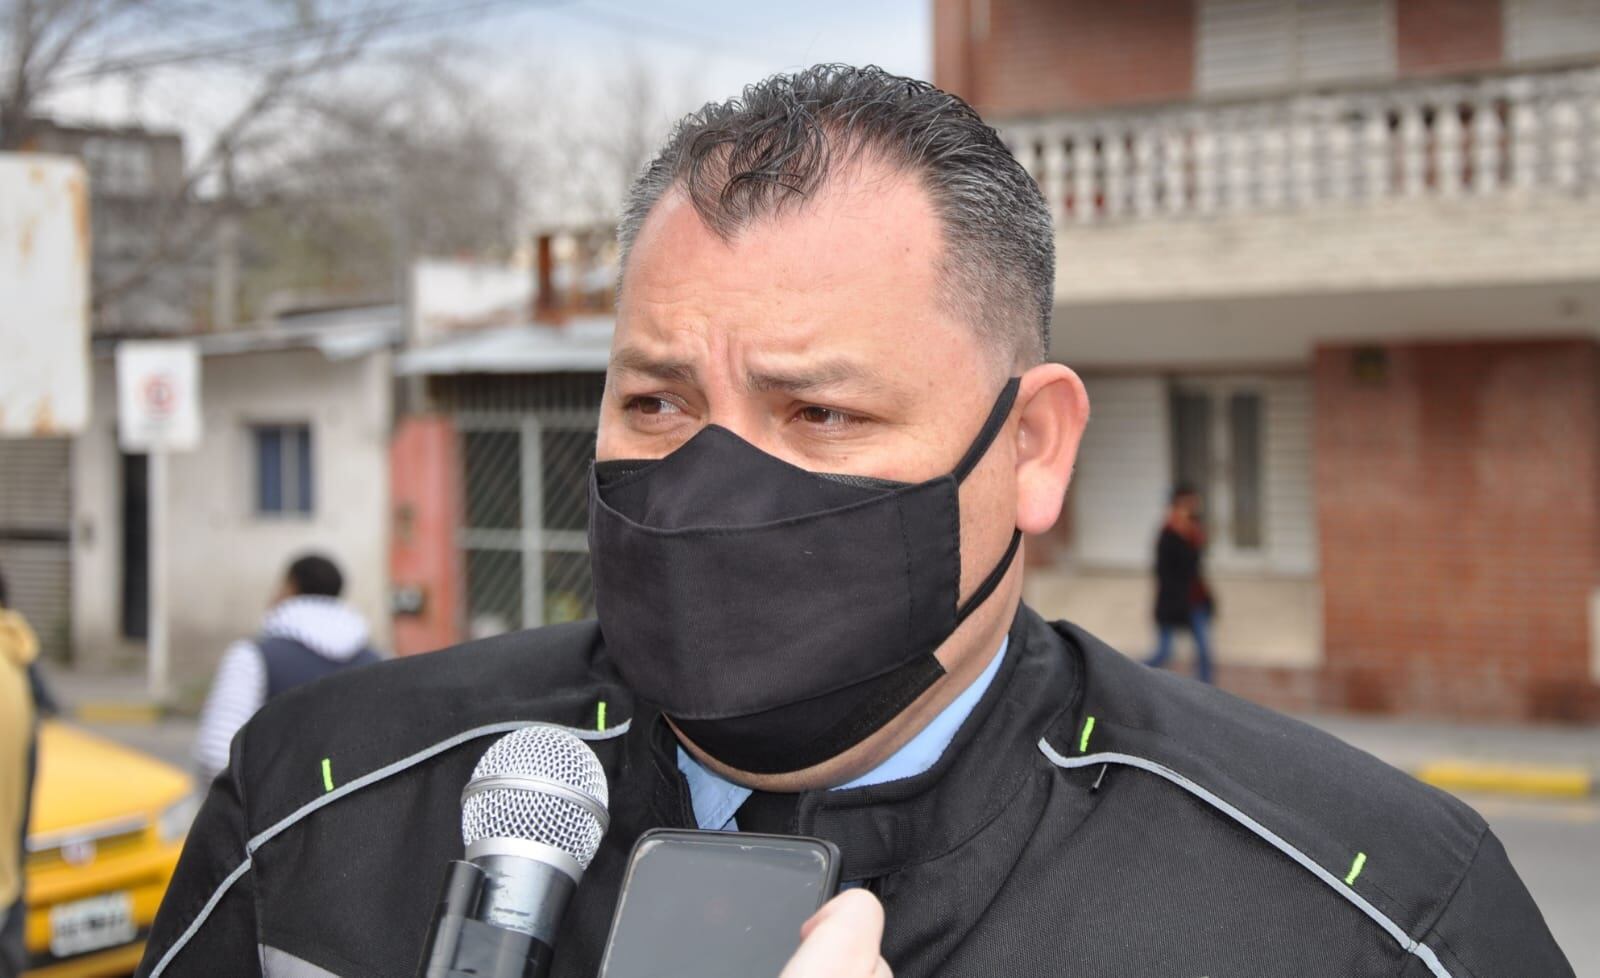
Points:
(1040, 56)
(1457, 501)
(1026, 57)
(952, 49)
(1435, 36)
(425, 487)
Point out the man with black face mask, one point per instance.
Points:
(828, 423)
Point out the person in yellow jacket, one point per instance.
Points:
(18, 648)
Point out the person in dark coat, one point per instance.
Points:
(1183, 601)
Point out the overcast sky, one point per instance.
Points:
(701, 48)
(734, 43)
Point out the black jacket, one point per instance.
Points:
(1091, 818)
(1177, 574)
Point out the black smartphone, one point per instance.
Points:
(716, 904)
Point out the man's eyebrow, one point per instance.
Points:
(826, 373)
(637, 361)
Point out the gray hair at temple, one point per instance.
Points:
(773, 148)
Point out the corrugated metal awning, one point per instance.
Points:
(340, 334)
(581, 345)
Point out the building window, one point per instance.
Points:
(284, 474)
(119, 167)
(1217, 438)
(1244, 470)
(1546, 30)
(1253, 45)
(526, 517)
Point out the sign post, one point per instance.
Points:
(158, 412)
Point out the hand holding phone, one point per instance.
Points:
(717, 904)
(842, 940)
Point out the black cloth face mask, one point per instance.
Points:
(778, 616)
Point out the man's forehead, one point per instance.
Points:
(847, 231)
(830, 295)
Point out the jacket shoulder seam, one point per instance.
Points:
(200, 918)
(372, 777)
(411, 760)
(1432, 929)
(1408, 944)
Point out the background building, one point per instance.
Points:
(297, 412)
(1337, 263)
(490, 476)
(134, 175)
(293, 457)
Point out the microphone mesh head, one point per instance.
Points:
(528, 813)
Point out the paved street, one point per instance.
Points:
(1555, 845)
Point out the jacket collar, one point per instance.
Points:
(883, 828)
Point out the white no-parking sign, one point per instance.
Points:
(158, 411)
(158, 396)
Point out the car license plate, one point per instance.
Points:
(89, 925)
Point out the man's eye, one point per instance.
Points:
(825, 417)
(646, 404)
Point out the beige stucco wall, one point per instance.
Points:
(1262, 620)
(225, 560)
(1406, 243)
(1264, 288)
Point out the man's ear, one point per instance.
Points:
(1053, 409)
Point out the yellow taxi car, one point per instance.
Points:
(108, 823)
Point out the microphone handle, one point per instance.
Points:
(522, 894)
(461, 946)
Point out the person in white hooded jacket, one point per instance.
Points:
(308, 633)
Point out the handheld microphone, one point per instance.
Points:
(532, 816)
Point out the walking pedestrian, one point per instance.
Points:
(1183, 599)
(309, 633)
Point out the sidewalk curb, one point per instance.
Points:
(1538, 781)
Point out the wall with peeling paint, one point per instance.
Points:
(44, 295)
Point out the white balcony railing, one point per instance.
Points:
(1488, 135)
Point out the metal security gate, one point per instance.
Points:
(35, 536)
(526, 446)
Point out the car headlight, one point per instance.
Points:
(173, 822)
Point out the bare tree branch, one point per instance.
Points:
(271, 90)
(92, 16)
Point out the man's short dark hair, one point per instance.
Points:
(5, 596)
(1183, 490)
(775, 146)
(315, 574)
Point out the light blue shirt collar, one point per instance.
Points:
(715, 798)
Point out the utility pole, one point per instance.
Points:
(225, 264)
(413, 389)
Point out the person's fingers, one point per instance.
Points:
(841, 940)
(859, 899)
(857, 904)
